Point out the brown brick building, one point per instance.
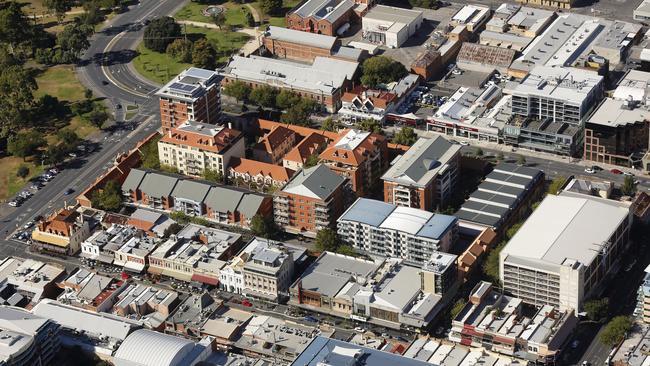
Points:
(322, 17)
(192, 95)
(302, 46)
(359, 156)
(312, 200)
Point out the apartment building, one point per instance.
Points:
(260, 175)
(28, 339)
(425, 176)
(643, 299)
(618, 130)
(274, 145)
(312, 200)
(331, 17)
(358, 156)
(559, 93)
(390, 231)
(498, 323)
(362, 103)
(305, 47)
(62, 232)
(323, 81)
(565, 250)
(193, 95)
(193, 147)
(169, 192)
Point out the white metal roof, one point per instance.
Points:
(407, 219)
(149, 348)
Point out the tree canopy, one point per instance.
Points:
(491, 264)
(271, 7)
(370, 125)
(160, 33)
(597, 308)
(327, 240)
(25, 143)
(628, 188)
(58, 7)
(108, 198)
(204, 55)
(180, 50)
(286, 98)
(405, 136)
(300, 113)
(238, 90)
(615, 331)
(72, 41)
(262, 226)
(264, 96)
(15, 27)
(330, 124)
(16, 97)
(380, 70)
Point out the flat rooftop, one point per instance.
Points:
(299, 37)
(614, 113)
(565, 229)
(189, 84)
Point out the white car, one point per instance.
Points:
(590, 170)
(359, 329)
(464, 143)
(28, 225)
(628, 174)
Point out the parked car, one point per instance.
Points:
(464, 143)
(28, 224)
(628, 174)
(311, 319)
(13, 203)
(246, 303)
(616, 171)
(68, 192)
(590, 170)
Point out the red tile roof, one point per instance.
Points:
(275, 138)
(310, 145)
(253, 168)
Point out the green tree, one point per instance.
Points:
(380, 70)
(16, 97)
(92, 13)
(615, 331)
(88, 94)
(15, 27)
(556, 185)
(108, 198)
(160, 33)
(213, 176)
(97, 116)
(264, 96)
(250, 19)
(238, 90)
(180, 50)
(219, 19)
(271, 7)
(204, 55)
(286, 98)
(300, 114)
(405, 136)
(72, 41)
(327, 240)
(25, 143)
(58, 7)
(23, 171)
(521, 160)
(262, 226)
(513, 230)
(457, 308)
(330, 124)
(370, 125)
(597, 308)
(55, 154)
(311, 161)
(347, 250)
(628, 188)
(491, 264)
(68, 137)
(479, 152)
(149, 153)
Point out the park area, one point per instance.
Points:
(235, 13)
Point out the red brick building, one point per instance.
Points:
(312, 200)
(192, 95)
(302, 46)
(322, 17)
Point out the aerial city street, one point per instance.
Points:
(324, 182)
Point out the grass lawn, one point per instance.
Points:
(156, 66)
(10, 183)
(61, 82)
(234, 14)
(161, 68)
(36, 7)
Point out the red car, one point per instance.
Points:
(616, 171)
(247, 303)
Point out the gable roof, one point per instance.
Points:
(352, 147)
(317, 182)
(310, 145)
(223, 199)
(191, 190)
(254, 168)
(158, 185)
(274, 138)
(133, 180)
